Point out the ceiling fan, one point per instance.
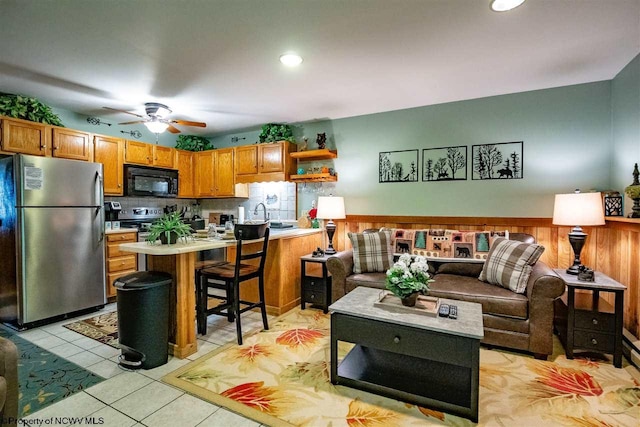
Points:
(156, 120)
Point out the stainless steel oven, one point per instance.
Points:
(153, 182)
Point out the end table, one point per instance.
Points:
(587, 321)
(315, 290)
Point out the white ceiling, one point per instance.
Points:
(217, 60)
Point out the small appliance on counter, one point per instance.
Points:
(111, 212)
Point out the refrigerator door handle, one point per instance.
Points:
(100, 205)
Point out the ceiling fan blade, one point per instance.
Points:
(173, 129)
(123, 111)
(189, 123)
(132, 123)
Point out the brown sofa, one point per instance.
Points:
(517, 321)
(8, 383)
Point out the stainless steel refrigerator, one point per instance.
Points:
(51, 238)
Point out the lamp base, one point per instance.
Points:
(576, 238)
(330, 251)
(331, 229)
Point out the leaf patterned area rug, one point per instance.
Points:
(280, 377)
(45, 378)
(103, 328)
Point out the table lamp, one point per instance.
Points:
(578, 208)
(330, 208)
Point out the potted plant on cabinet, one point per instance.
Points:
(193, 143)
(169, 229)
(26, 108)
(273, 132)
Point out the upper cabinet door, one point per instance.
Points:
(163, 156)
(139, 153)
(271, 158)
(110, 152)
(204, 183)
(246, 162)
(224, 178)
(21, 136)
(71, 144)
(184, 160)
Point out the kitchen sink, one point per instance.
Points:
(280, 225)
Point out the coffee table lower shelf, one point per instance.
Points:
(423, 382)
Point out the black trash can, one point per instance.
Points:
(143, 318)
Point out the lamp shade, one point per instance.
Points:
(330, 207)
(578, 209)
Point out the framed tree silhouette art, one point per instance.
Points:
(444, 164)
(497, 161)
(398, 166)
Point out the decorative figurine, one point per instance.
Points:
(612, 204)
(585, 274)
(633, 191)
(321, 140)
(303, 145)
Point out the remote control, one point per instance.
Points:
(444, 310)
(453, 312)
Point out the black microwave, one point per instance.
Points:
(152, 182)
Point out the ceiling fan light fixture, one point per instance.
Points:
(156, 126)
(291, 59)
(505, 5)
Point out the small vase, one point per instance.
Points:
(410, 301)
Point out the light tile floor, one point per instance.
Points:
(133, 398)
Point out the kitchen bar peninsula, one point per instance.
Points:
(282, 277)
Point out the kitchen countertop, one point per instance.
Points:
(197, 245)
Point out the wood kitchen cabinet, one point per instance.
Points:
(23, 136)
(119, 263)
(214, 173)
(142, 153)
(163, 157)
(185, 163)
(139, 153)
(110, 152)
(71, 144)
(264, 162)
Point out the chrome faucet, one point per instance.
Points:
(264, 211)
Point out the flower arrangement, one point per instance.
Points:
(408, 275)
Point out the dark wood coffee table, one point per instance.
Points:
(433, 362)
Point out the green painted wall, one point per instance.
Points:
(625, 118)
(567, 139)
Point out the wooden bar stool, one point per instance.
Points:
(228, 276)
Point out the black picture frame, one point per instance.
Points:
(502, 160)
(398, 166)
(444, 164)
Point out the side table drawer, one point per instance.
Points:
(593, 341)
(595, 321)
(310, 282)
(403, 339)
(316, 296)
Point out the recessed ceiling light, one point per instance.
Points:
(291, 59)
(505, 5)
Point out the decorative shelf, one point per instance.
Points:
(309, 155)
(314, 177)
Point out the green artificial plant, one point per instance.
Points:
(272, 132)
(26, 108)
(193, 143)
(168, 224)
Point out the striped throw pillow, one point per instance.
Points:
(372, 252)
(509, 264)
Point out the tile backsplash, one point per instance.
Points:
(278, 197)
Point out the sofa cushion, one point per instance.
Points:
(509, 264)
(495, 300)
(371, 252)
(460, 268)
(444, 244)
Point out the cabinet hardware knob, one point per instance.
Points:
(313, 296)
(595, 321)
(594, 341)
(43, 147)
(119, 185)
(396, 340)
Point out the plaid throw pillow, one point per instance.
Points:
(372, 252)
(509, 264)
